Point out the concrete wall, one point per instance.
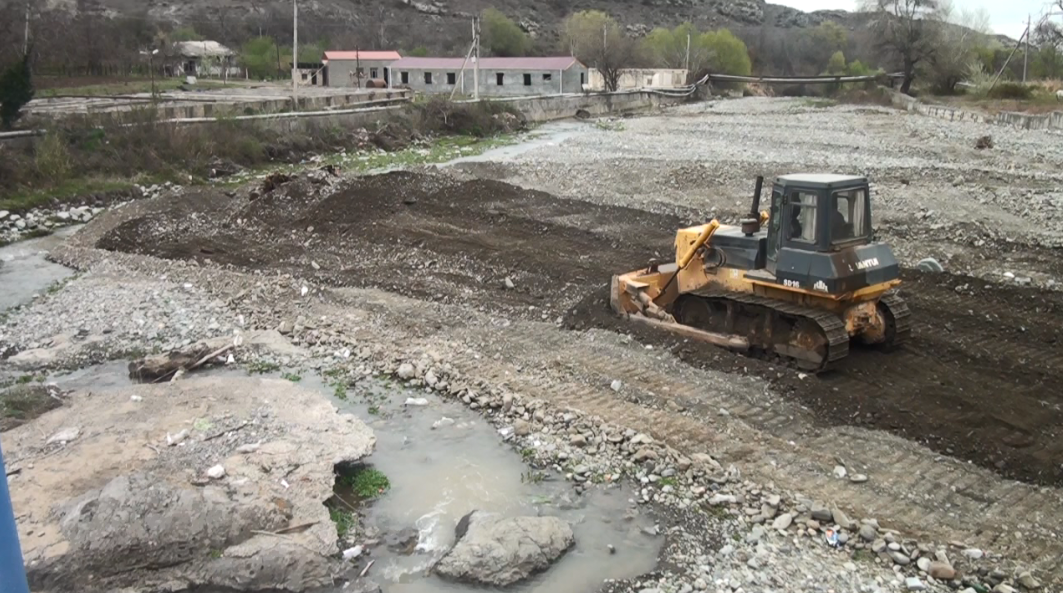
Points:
(306, 103)
(568, 81)
(540, 109)
(1048, 121)
(641, 78)
(341, 72)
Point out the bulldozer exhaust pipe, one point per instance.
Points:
(754, 212)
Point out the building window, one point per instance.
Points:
(452, 78)
(500, 78)
(548, 77)
(304, 76)
(405, 77)
(582, 78)
(527, 80)
(428, 78)
(373, 72)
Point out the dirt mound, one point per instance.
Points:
(981, 378)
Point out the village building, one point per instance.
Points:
(641, 78)
(498, 77)
(357, 68)
(202, 58)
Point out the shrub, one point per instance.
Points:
(16, 89)
(53, 157)
(1011, 90)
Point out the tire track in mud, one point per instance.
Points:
(769, 438)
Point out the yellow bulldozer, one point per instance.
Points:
(797, 292)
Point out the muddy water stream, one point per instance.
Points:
(443, 461)
(544, 136)
(25, 271)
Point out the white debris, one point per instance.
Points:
(416, 401)
(616, 385)
(136, 398)
(352, 553)
(216, 473)
(64, 435)
(177, 438)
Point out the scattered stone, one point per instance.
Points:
(868, 533)
(406, 371)
(352, 553)
(858, 478)
(497, 552)
(820, 512)
(578, 440)
(1002, 588)
(616, 385)
(444, 421)
(984, 142)
(973, 553)
(722, 499)
(216, 473)
(941, 571)
(521, 428)
(782, 522)
(923, 563)
(416, 401)
(177, 439)
(840, 471)
(1028, 581)
(841, 518)
(64, 436)
(900, 558)
(914, 584)
(646, 454)
(248, 448)
(509, 283)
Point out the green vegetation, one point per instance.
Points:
(215, 554)
(719, 51)
(292, 377)
(24, 402)
(418, 52)
(1010, 90)
(502, 36)
(532, 477)
(668, 482)
(527, 454)
(340, 391)
(366, 483)
(345, 521)
(129, 86)
(262, 367)
(730, 55)
(374, 410)
(16, 89)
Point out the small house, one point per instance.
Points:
(203, 58)
(498, 77)
(355, 68)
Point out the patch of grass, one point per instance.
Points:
(344, 520)
(610, 126)
(367, 483)
(64, 191)
(717, 511)
(863, 556)
(340, 391)
(24, 402)
(215, 554)
(819, 103)
(262, 367)
(292, 377)
(668, 482)
(532, 477)
(527, 454)
(374, 410)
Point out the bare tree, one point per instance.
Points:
(908, 29)
(961, 33)
(596, 39)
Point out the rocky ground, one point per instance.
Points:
(478, 291)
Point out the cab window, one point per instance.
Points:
(802, 223)
(848, 217)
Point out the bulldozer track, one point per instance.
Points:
(902, 317)
(831, 326)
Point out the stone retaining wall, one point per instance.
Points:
(1048, 121)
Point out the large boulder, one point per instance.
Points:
(495, 551)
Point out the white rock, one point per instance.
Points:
(416, 401)
(914, 584)
(973, 553)
(4, 214)
(858, 478)
(782, 522)
(303, 291)
(177, 438)
(136, 398)
(314, 264)
(923, 563)
(616, 385)
(722, 499)
(444, 421)
(64, 435)
(509, 283)
(406, 371)
(352, 553)
(430, 379)
(216, 473)
(839, 471)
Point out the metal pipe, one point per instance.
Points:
(11, 567)
(754, 212)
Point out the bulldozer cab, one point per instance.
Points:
(817, 213)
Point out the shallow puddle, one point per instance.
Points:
(443, 461)
(25, 271)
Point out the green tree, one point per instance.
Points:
(418, 52)
(831, 36)
(1047, 63)
(259, 56)
(668, 48)
(502, 36)
(596, 39)
(186, 33)
(836, 64)
(16, 89)
(729, 53)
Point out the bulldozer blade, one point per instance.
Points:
(722, 340)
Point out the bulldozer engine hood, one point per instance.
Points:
(837, 272)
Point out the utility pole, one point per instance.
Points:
(476, 58)
(358, 67)
(295, 55)
(10, 554)
(26, 34)
(686, 64)
(1026, 54)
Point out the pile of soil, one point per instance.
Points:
(980, 379)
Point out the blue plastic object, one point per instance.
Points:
(12, 571)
